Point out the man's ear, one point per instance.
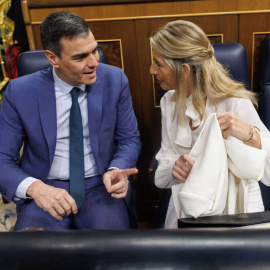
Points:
(52, 58)
(186, 69)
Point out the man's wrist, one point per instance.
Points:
(22, 188)
(31, 189)
(111, 169)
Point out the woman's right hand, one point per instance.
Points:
(182, 168)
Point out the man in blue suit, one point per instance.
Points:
(35, 113)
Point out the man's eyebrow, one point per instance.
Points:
(82, 55)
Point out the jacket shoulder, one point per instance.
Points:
(38, 75)
(35, 80)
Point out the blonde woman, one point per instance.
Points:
(197, 85)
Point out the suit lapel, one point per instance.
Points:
(94, 99)
(47, 110)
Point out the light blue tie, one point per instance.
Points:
(76, 153)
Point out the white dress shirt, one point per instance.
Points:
(60, 165)
(178, 140)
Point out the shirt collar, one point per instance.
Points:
(63, 86)
(192, 113)
(183, 135)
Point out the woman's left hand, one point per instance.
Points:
(231, 124)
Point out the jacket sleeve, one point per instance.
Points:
(254, 197)
(126, 134)
(248, 164)
(246, 111)
(12, 136)
(166, 156)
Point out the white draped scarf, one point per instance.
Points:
(183, 135)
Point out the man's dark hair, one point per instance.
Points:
(61, 24)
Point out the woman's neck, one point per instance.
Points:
(191, 127)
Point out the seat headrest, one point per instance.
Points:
(32, 61)
(233, 57)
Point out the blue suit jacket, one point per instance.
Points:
(28, 115)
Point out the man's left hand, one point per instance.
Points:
(116, 182)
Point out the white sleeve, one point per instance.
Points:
(265, 141)
(254, 197)
(246, 111)
(22, 188)
(166, 156)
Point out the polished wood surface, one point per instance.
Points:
(64, 3)
(253, 29)
(152, 6)
(157, 9)
(243, 21)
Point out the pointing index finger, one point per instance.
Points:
(131, 171)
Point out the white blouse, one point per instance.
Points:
(178, 140)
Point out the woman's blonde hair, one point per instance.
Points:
(181, 42)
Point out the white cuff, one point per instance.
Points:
(22, 188)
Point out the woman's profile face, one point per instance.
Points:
(163, 73)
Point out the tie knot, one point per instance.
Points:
(75, 92)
